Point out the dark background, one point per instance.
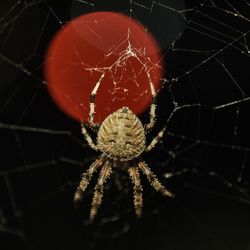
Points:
(205, 148)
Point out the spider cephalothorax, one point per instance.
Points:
(121, 139)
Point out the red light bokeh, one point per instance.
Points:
(97, 43)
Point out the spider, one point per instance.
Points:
(121, 138)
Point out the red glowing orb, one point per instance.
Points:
(104, 44)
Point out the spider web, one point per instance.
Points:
(203, 157)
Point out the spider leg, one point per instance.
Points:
(153, 180)
(86, 179)
(92, 103)
(88, 138)
(98, 193)
(155, 140)
(153, 105)
(135, 177)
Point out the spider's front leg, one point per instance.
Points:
(88, 138)
(92, 103)
(153, 116)
(156, 139)
(91, 117)
(153, 105)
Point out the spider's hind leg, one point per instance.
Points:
(135, 177)
(155, 183)
(86, 179)
(98, 193)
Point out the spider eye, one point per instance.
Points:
(128, 143)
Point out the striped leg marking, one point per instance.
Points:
(153, 106)
(88, 138)
(92, 103)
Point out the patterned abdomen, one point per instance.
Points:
(121, 135)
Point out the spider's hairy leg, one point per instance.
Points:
(88, 138)
(153, 180)
(135, 177)
(86, 178)
(155, 139)
(98, 193)
(153, 105)
(92, 102)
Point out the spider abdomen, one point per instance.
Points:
(121, 135)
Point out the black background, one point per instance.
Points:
(36, 203)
